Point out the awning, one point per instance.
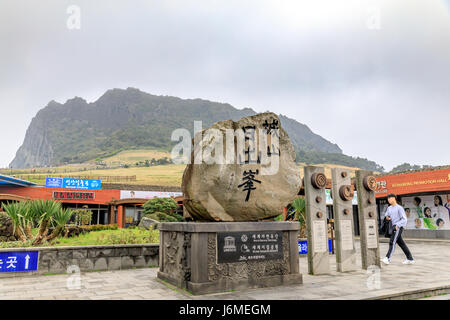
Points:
(7, 181)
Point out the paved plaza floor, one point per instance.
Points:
(432, 270)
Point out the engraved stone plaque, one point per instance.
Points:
(371, 234)
(346, 234)
(249, 246)
(320, 236)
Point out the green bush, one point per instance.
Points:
(82, 216)
(162, 209)
(165, 205)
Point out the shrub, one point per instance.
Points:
(82, 216)
(6, 228)
(162, 209)
(165, 205)
(161, 216)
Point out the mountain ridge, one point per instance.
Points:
(77, 131)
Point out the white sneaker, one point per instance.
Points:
(409, 261)
(385, 260)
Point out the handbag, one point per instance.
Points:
(387, 228)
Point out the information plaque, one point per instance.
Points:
(249, 246)
(320, 236)
(346, 234)
(371, 234)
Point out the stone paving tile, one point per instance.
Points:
(432, 263)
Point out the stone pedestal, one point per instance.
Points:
(343, 194)
(316, 220)
(368, 223)
(211, 257)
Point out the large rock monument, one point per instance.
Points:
(239, 190)
(241, 175)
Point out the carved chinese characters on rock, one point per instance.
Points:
(258, 179)
(252, 156)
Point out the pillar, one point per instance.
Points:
(316, 220)
(112, 214)
(120, 218)
(366, 185)
(342, 193)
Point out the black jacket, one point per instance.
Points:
(387, 228)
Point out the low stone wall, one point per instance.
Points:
(426, 234)
(91, 258)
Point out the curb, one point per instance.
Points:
(413, 294)
(415, 240)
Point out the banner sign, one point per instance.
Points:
(414, 182)
(19, 261)
(68, 195)
(53, 182)
(71, 183)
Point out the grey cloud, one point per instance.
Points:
(357, 87)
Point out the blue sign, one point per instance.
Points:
(72, 183)
(53, 182)
(19, 261)
(303, 246)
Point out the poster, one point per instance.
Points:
(427, 212)
(128, 194)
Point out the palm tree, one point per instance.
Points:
(60, 218)
(41, 213)
(300, 214)
(45, 210)
(15, 211)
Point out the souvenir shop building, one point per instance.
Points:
(123, 207)
(425, 195)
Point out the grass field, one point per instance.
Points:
(161, 175)
(133, 156)
(164, 175)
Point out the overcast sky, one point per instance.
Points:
(371, 76)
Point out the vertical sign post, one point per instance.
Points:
(366, 184)
(343, 194)
(316, 220)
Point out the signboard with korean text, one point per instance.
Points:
(130, 194)
(249, 246)
(19, 261)
(69, 195)
(413, 183)
(72, 183)
(54, 182)
(303, 246)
